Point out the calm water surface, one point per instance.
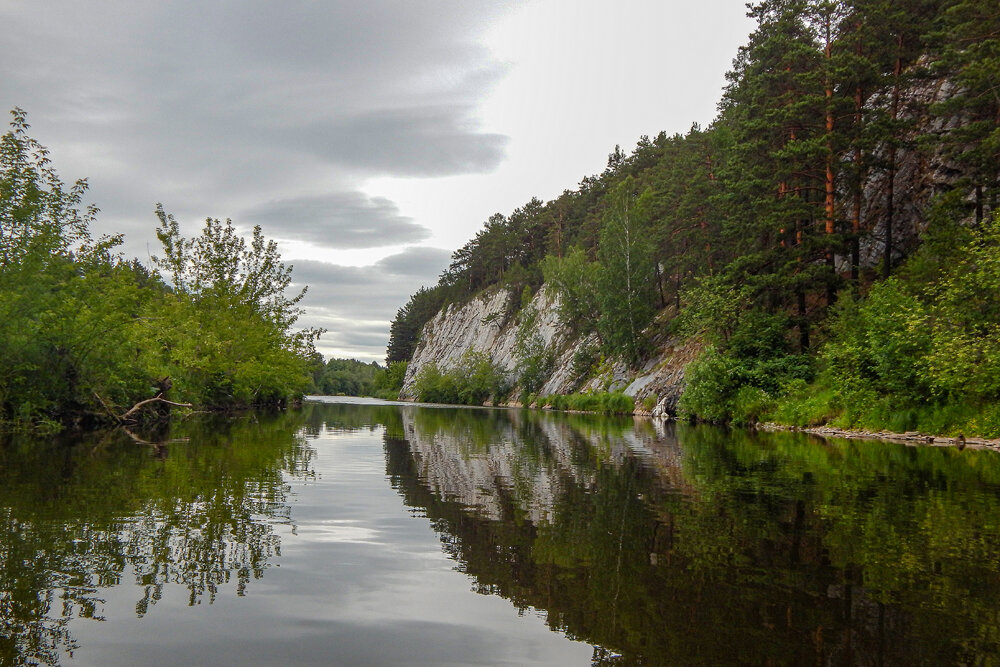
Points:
(363, 533)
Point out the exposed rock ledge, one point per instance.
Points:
(482, 325)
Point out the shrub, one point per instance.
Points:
(922, 352)
(584, 362)
(474, 380)
(805, 405)
(608, 403)
(740, 379)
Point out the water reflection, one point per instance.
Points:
(652, 544)
(196, 510)
(700, 546)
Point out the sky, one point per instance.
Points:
(370, 139)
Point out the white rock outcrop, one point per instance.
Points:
(479, 325)
(484, 325)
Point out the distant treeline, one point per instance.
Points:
(350, 377)
(85, 333)
(750, 232)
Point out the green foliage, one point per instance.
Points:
(388, 381)
(226, 336)
(607, 403)
(534, 359)
(473, 381)
(526, 297)
(625, 280)
(67, 303)
(804, 404)
(739, 379)
(923, 350)
(348, 377)
(84, 332)
(404, 332)
(574, 280)
(42, 218)
(713, 307)
(585, 362)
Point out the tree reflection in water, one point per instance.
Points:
(704, 546)
(198, 512)
(654, 544)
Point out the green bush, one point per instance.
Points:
(608, 403)
(534, 359)
(388, 381)
(740, 379)
(84, 333)
(804, 405)
(922, 351)
(472, 382)
(585, 362)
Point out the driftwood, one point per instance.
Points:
(126, 418)
(156, 399)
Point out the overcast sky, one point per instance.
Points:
(369, 138)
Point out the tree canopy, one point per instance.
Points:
(86, 333)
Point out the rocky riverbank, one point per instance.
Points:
(910, 437)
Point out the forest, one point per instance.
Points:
(832, 235)
(350, 377)
(87, 335)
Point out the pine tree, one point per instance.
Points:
(774, 109)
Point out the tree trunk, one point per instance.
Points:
(829, 199)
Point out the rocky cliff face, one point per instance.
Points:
(921, 175)
(482, 325)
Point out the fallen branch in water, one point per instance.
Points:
(156, 399)
(126, 417)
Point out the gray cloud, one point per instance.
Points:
(356, 304)
(422, 263)
(414, 141)
(216, 108)
(337, 220)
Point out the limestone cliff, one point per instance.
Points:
(484, 325)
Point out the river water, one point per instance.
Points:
(357, 532)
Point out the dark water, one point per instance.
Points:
(380, 534)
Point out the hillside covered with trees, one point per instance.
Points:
(832, 235)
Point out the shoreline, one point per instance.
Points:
(908, 438)
(913, 438)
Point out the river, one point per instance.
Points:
(358, 532)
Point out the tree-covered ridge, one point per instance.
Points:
(85, 333)
(847, 129)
